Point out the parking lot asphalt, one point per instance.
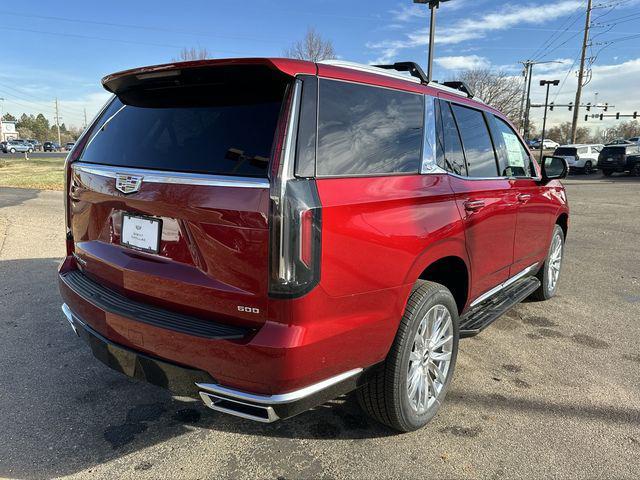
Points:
(551, 389)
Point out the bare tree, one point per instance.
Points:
(192, 54)
(561, 133)
(313, 47)
(498, 89)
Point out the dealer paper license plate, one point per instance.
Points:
(141, 233)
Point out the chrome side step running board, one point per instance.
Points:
(503, 285)
(269, 408)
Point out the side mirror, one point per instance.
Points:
(554, 168)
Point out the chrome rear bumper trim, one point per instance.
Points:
(69, 316)
(180, 178)
(279, 399)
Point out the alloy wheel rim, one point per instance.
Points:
(555, 262)
(430, 359)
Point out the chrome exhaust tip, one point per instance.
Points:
(69, 316)
(258, 413)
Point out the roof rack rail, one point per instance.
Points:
(461, 86)
(412, 67)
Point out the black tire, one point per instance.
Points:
(588, 168)
(545, 291)
(607, 173)
(30, 150)
(635, 170)
(12, 150)
(385, 396)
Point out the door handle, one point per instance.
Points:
(473, 205)
(524, 197)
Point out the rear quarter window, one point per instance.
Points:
(367, 130)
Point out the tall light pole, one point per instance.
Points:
(1, 115)
(548, 83)
(528, 65)
(433, 6)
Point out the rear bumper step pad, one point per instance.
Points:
(480, 317)
(113, 302)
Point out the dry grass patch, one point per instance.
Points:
(40, 173)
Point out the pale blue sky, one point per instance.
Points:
(62, 49)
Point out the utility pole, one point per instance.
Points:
(546, 83)
(58, 122)
(525, 73)
(85, 118)
(585, 41)
(528, 65)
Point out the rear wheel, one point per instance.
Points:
(588, 168)
(12, 150)
(635, 170)
(607, 173)
(412, 383)
(549, 273)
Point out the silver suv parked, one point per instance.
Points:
(14, 146)
(580, 158)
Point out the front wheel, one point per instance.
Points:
(588, 168)
(12, 150)
(549, 273)
(607, 173)
(635, 170)
(407, 391)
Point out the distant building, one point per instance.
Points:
(8, 131)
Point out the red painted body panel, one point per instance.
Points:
(378, 235)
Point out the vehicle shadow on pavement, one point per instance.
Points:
(64, 411)
(11, 197)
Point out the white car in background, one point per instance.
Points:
(634, 140)
(580, 158)
(548, 144)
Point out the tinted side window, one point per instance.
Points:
(365, 130)
(478, 149)
(450, 154)
(513, 158)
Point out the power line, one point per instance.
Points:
(138, 27)
(564, 28)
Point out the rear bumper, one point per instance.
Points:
(195, 383)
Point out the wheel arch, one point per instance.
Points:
(563, 222)
(453, 273)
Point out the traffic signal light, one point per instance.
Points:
(606, 107)
(601, 116)
(635, 115)
(588, 107)
(551, 106)
(586, 117)
(617, 115)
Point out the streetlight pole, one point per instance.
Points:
(1, 115)
(433, 6)
(548, 84)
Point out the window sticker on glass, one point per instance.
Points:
(514, 150)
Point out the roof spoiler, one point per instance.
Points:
(416, 71)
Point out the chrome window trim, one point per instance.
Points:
(278, 399)
(429, 163)
(503, 285)
(168, 177)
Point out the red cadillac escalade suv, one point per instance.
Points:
(269, 234)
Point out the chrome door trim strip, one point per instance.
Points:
(178, 178)
(281, 398)
(503, 285)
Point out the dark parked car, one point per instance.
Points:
(616, 158)
(268, 234)
(35, 144)
(50, 147)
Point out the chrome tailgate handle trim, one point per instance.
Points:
(178, 178)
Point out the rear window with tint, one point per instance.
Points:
(230, 135)
(613, 151)
(568, 151)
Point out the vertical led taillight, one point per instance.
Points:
(295, 214)
(74, 155)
